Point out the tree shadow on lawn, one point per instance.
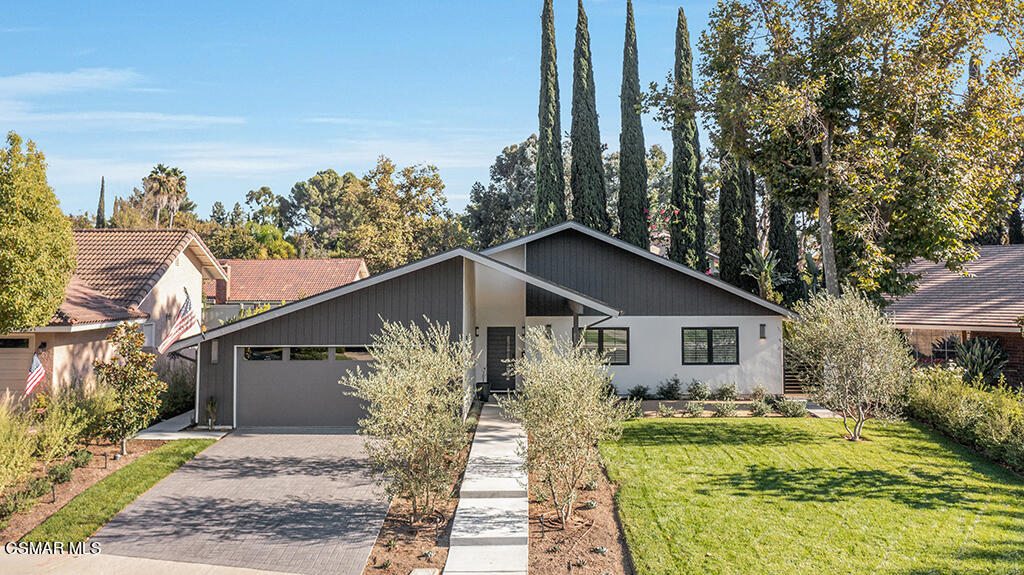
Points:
(917, 487)
(667, 432)
(1006, 556)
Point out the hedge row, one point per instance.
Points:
(989, 419)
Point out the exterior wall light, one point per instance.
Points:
(764, 332)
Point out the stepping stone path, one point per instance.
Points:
(491, 531)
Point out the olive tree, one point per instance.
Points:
(856, 362)
(415, 397)
(566, 410)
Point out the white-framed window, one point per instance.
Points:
(149, 332)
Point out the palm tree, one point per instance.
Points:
(166, 187)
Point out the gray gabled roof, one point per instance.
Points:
(399, 271)
(570, 225)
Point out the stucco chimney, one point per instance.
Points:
(224, 287)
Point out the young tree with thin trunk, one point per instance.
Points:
(549, 208)
(589, 200)
(136, 387)
(633, 203)
(564, 406)
(415, 397)
(856, 363)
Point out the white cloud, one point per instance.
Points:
(82, 79)
(24, 116)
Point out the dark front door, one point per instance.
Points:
(501, 346)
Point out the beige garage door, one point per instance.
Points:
(15, 359)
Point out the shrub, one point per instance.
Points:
(670, 388)
(982, 359)
(37, 487)
(564, 412)
(989, 420)
(16, 502)
(665, 410)
(694, 409)
(640, 392)
(16, 445)
(81, 458)
(180, 395)
(415, 397)
(95, 401)
(699, 390)
(758, 408)
(61, 473)
(60, 428)
(791, 408)
(723, 409)
(136, 387)
(759, 393)
(856, 363)
(727, 392)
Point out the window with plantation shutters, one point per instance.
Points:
(711, 346)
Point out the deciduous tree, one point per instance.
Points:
(503, 209)
(36, 245)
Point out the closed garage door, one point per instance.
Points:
(15, 359)
(284, 387)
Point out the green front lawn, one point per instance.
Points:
(85, 514)
(790, 496)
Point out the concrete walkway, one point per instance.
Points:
(491, 531)
(171, 429)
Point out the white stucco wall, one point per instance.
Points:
(655, 350)
(500, 302)
(167, 296)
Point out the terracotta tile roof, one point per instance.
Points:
(124, 265)
(84, 305)
(287, 280)
(993, 297)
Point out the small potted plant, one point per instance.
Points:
(211, 411)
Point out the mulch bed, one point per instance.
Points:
(81, 479)
(557, 551)
(401, 547)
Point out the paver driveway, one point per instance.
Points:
(296, 501)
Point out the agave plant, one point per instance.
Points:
(982, 359)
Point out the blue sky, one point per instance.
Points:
(242, 95)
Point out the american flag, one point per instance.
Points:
(35, 374)
(182, 322)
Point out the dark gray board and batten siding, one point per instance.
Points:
(624, 280)
(350, 319)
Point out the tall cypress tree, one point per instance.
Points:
(1014, 223)
(101, 218)
(783, 241)
(687, 228)
(738, 221)
(633, 202)
(549, 202)
(586, 178)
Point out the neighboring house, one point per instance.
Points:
(948, 307)
(252, 283)
(138, 276)
(654, 317)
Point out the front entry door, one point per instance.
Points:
(501, 346)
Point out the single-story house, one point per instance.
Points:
(252, 283)
(949, 307)
(138, 276)
(654, 317)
